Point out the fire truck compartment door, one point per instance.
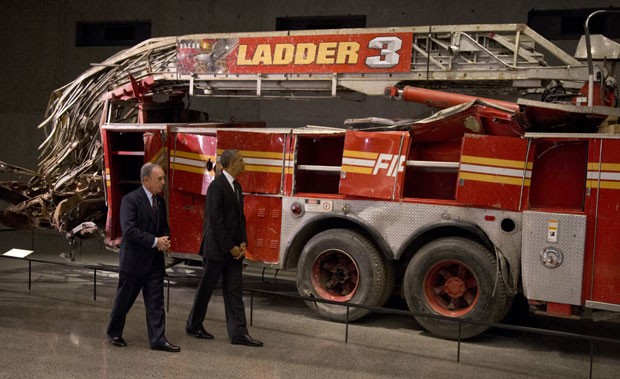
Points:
(553, 256)
(493, 172)
(604, 182)
(264, 221)
(373, 164)
(192, 169)
(192, 162)
(263, 154)
(125, 151)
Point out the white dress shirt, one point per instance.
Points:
(230, 180)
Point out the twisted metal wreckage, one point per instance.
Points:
(68, 188)
(67, 191)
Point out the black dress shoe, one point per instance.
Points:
(245, 340)
(201, 333)
(117, 341)
(167, 346)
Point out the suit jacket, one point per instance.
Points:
(140, 226)
(224, 220)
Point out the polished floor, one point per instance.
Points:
(56, 330)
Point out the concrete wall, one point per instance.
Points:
(37, 40)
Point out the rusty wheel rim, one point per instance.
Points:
(335, 275)
(451, 289)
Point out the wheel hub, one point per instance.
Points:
(341, 274)
(335, 275)
(451, 288)
(454, 287)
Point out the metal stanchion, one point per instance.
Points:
(29, 274)
(346, 333)
(251, 307)
(458, 349)
(591, 356)
(95, 284)
(167, 295)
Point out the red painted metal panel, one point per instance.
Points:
(467, 118)
(188, 180)
(185, 214)
(606, 178)
(559, 175)
(373, 164)
(493, 172)
(192, 162)
(591, 212)
(336, 53)
(264, 218)
(155, 149)
(558, 309)
(263, 154)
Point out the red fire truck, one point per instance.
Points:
(460, 211)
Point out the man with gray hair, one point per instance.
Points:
(141, 267)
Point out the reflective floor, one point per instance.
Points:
(57, 330)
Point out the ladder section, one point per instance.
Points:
(469, 51)
(326, 62)
(508, 55)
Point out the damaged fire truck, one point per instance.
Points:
(460, 211)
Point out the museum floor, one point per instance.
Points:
(57, 330)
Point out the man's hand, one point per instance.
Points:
(238, 251)
(163, 243)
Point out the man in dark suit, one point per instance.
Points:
(223, 247)
(145, 239)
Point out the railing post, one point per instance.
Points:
(591, 356)
(458, 349)
(346, 331)
(251, 307)
(167, 295)
(95, 284)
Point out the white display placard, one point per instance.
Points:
(18, 253)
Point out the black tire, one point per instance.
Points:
(390, 280)
(455, 277)
(507, 307)
(343, 266)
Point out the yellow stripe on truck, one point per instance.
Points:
(494, 179)
(495, 162)
(360, 154)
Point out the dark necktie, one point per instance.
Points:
(154, 204)
(236, 186)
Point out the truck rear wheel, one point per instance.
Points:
(343, 266)
(455, 277)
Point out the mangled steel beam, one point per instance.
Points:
(67, 187)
